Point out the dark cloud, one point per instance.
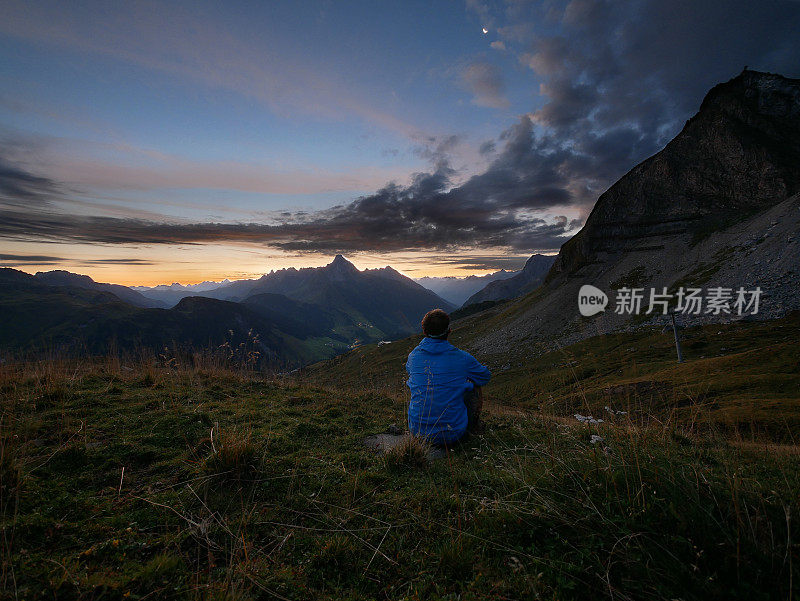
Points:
(499, 208)
(117, 262)
(11, 260)
(570, 102)
(478, 262)
(19, 187)
(436, 149)
(487, 147)
(493, 209)
(32, 259)
(621, 78)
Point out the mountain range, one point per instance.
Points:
(129, 295)
(458, 290)
(289, 316)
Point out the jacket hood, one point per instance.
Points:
(434, 346)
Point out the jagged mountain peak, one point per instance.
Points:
(387, 271)
(341, 268)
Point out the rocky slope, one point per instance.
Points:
(718, 206)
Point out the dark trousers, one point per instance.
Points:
(473, 399)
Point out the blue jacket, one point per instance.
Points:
(439, 377)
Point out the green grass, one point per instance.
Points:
(237, 485)
(743, 376)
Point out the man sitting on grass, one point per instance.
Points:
(445, 385)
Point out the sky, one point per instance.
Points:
(145, 143)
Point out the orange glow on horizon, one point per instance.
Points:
(152, 265)
(153, 272)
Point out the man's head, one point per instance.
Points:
(436, 324)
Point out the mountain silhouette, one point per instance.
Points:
(296, 316)
(378, 298)
(65, 278)
(457, 290)
(530, 277)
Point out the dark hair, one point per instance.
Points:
(436, 324)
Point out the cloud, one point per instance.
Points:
(121, 166)
(487, 147)
(630, 74)
(436, 149)
(117, 262)
(32, 259)
(479, 262)
(549, 56)
(18, 187)
(485, 82)
(570, 103)
(498, 45)
(500, 208)
(15, 260)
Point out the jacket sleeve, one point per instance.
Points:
(477, 373)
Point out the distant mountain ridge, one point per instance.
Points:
(457, 290)
(199, 287)
(63, 319)
(171, 294)
(65, 278)
(290, 316)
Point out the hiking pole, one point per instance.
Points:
(677, 340)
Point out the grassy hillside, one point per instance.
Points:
(743, 376)
(129, 481)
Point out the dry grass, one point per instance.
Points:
(10, 468)
(234, 454)
(411, 452)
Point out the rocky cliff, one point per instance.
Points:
(739, 154)
(718, 206)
